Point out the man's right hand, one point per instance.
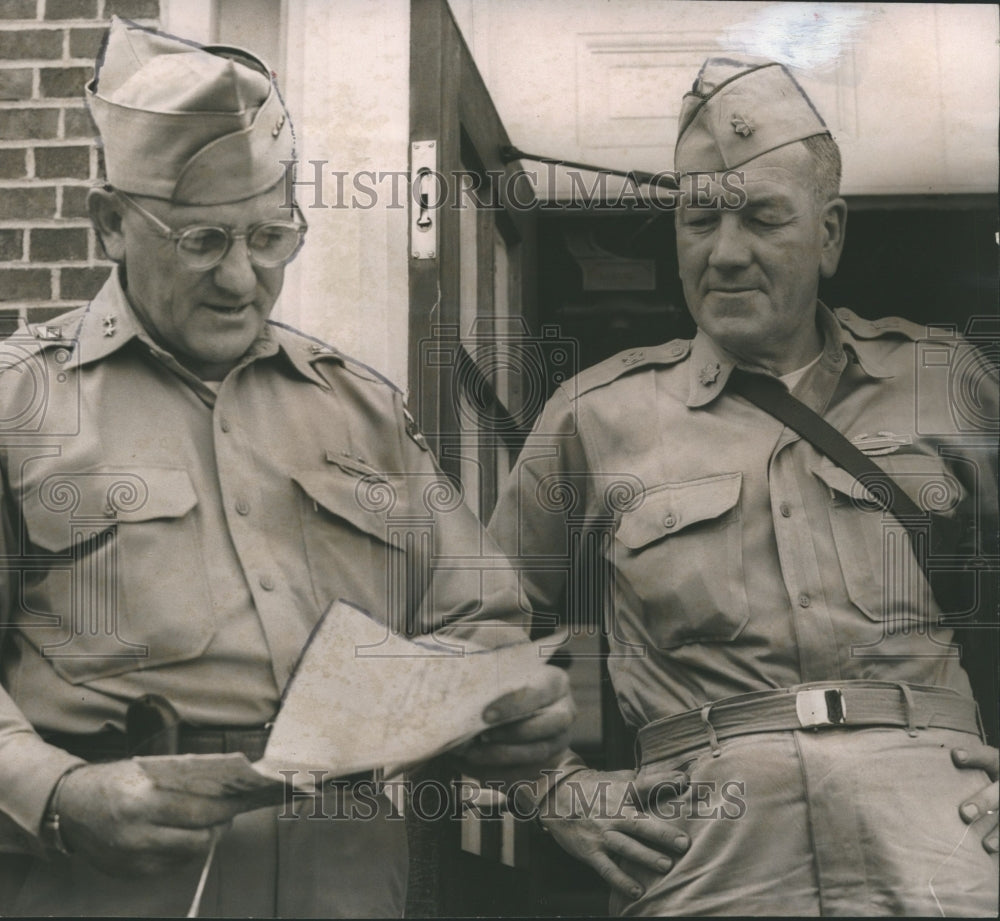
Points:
(594, 817)
(115, 817)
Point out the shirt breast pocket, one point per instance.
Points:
(114, 579)
(680, 561)
(351, 545)
(871, 543)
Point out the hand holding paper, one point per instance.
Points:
(529, 727)
(363, 697)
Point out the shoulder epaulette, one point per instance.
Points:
(366, 372)
(318, 350)
(875, 329)
(609, 370)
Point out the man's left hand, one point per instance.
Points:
(985, 803)
(531, 725)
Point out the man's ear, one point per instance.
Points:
(834, 223)
(106, 216)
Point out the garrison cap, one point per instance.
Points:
(192, 124)
(739, 108)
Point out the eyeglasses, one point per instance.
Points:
(204, 246)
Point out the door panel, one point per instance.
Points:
(478, 291)
(471, 311)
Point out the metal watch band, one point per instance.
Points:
(51, 828)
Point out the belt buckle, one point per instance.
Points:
(817, 707)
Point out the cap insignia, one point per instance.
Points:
(742, 126)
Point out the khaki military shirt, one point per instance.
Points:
(732, 555)
(162, 537)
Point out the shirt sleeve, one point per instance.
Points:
(472, 592)
(548, 486)
(29, 767)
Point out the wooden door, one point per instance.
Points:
(472, 266)
(471, 324)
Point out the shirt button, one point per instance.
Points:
(669, 521)
(224, 425)
(804, 600)
(785, 509)
(243, 507)
(267, 583)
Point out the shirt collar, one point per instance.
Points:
(710, 365)
(864, 352)
(301, 351)
(106, 325)
(109, 323)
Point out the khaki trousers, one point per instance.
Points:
(265, 866)
(828, 822)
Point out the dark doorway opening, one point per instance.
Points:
(609, 278)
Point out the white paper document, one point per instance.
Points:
(363, 697)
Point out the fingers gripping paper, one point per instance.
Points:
(363, 697)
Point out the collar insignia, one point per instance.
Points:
(708, 374)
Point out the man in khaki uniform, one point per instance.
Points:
(187, 486)
(772, 638)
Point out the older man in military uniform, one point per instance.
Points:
(187, 486)
(807, 736)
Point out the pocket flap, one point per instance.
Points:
(923, 477)
(98, 498)
(361, 500)
(673, 507)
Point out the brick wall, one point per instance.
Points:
(50, 259)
